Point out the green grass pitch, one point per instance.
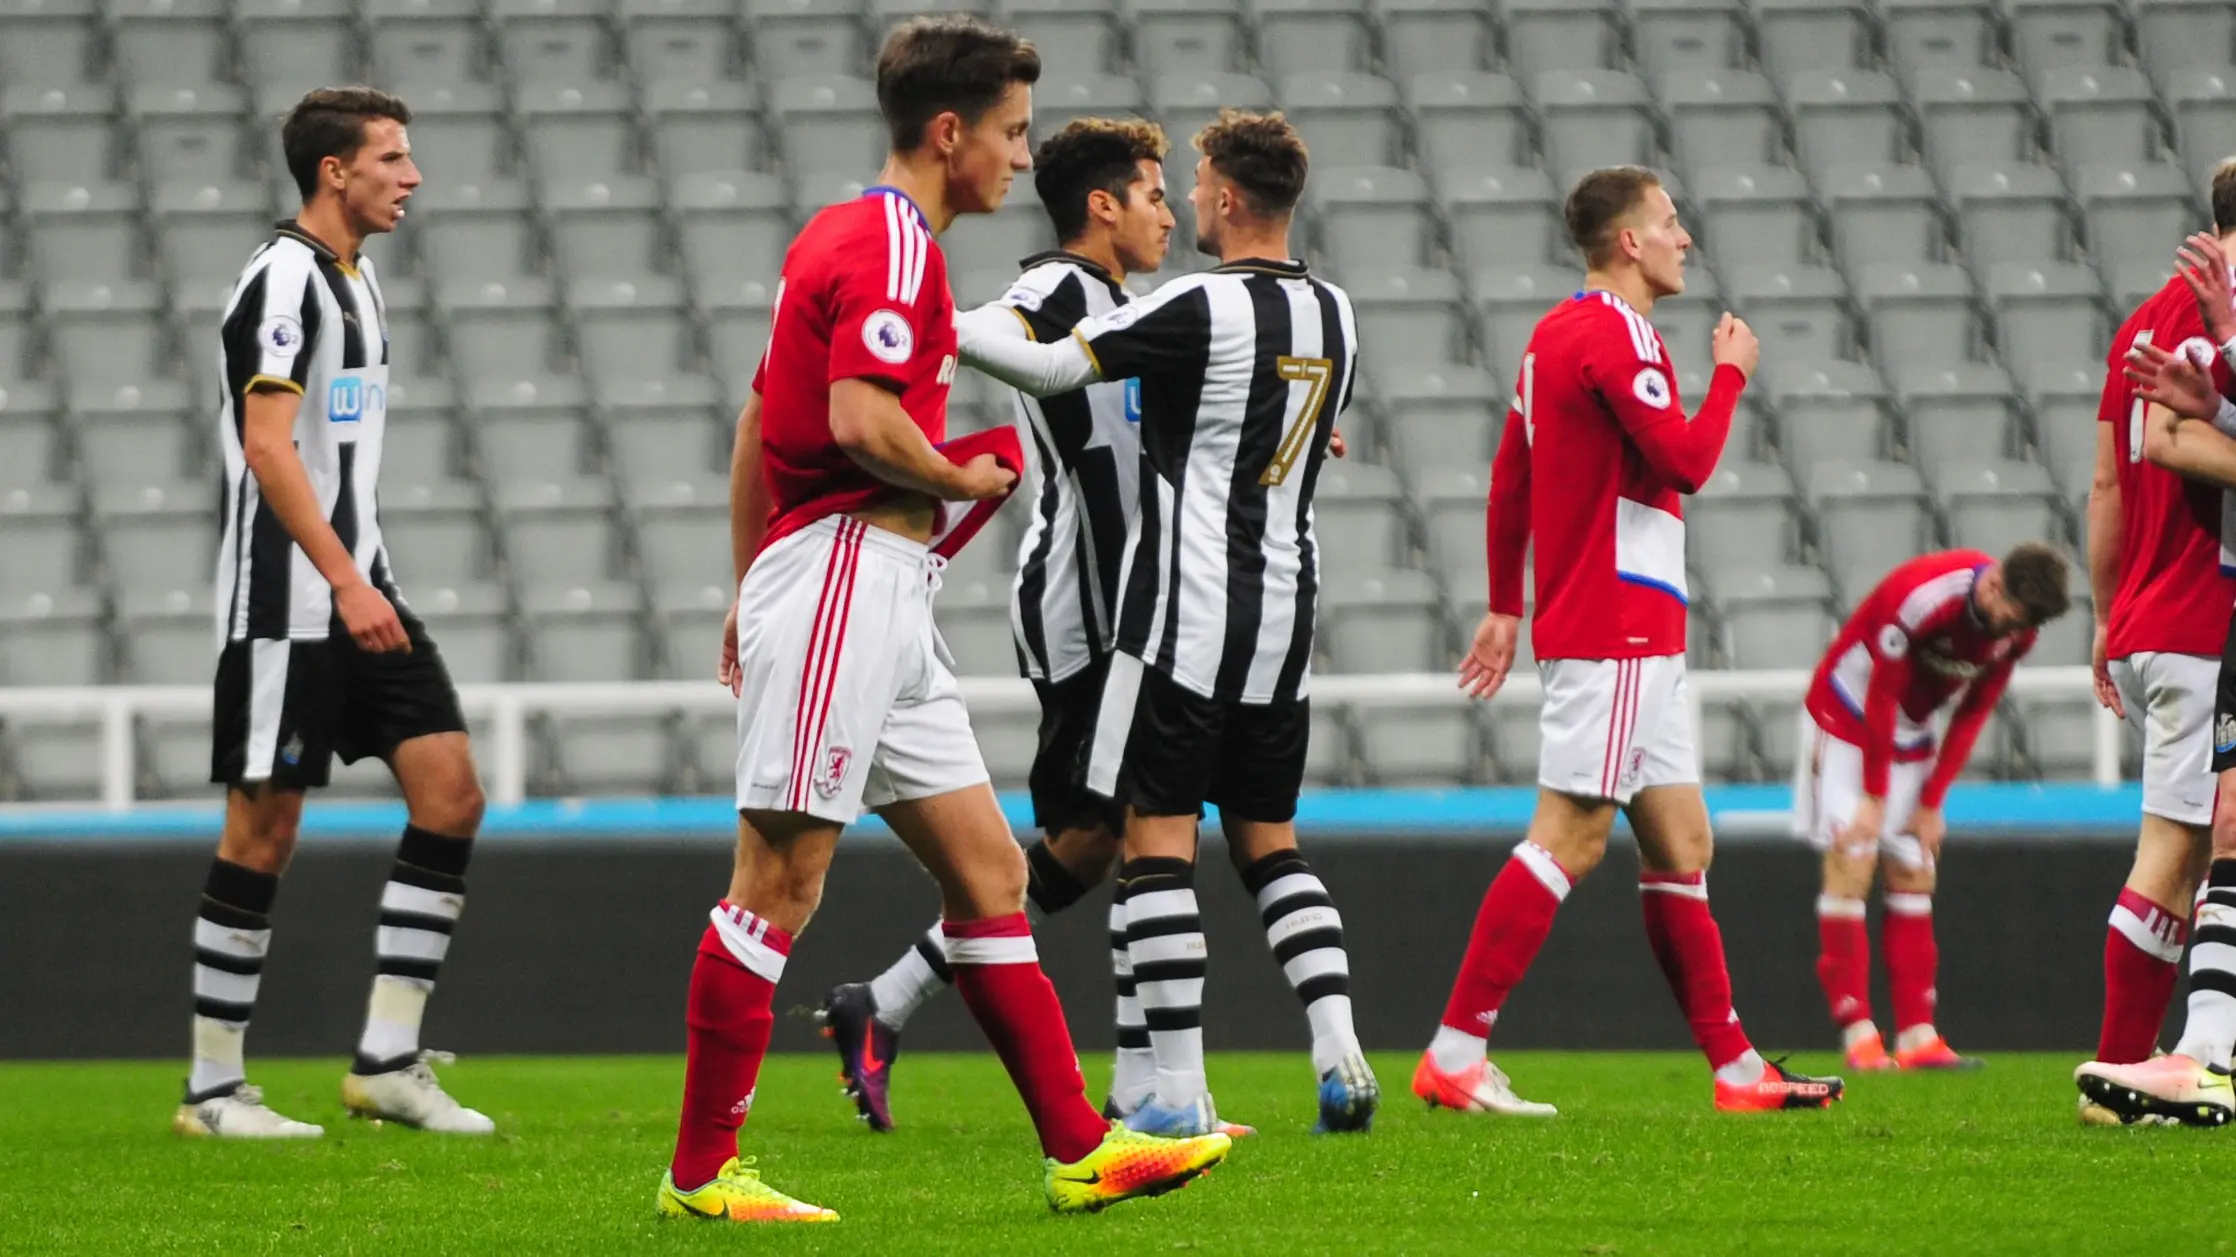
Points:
(1637, 1163)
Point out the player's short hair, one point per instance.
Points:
(2037, 577)
(330, 122)
(951, 62)
(1599, 201)
(1089, 155)
(2224, 197)
(1262, 154)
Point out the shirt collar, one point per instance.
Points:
(905, 199)
(293, 230)
(1287, 268)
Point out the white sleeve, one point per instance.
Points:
(2225, 421)
(992, 339)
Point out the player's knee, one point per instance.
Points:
(2224, 831)
(1849, 874)
(998, 886)
(457, 809)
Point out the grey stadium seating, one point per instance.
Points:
(1934, 211)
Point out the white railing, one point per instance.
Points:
(506, 709)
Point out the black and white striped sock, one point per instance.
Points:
(232, 932)
(1134, 1075)
(1164, 943)
(419, 908)
(1306, 935)
(2209, 1035)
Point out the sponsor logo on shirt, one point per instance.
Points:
(888, 337)
(281, 335)
(350, 399)
(1133, 399)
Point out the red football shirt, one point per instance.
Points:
(863, 296)
(1592, 466)
(2173, 593)
(1913, 647)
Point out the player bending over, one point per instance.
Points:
(321, 656)
(2188, 429)
(1243, 371)
(844, 700)
(2162, 606)
(1102, 181)
(1593, 465)
(1939, 634)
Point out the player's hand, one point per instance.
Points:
(2173, 381)
(1860, 836)
(2107, 694)
(1735, 343)
(980, 478)
(1929, 829)
(2203, 265)
(370, 618)
(726, 668)
(1337, 446)
(1483, 670)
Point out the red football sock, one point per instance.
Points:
(1913, 958)
(997, 969)
(733, 989)
(2142, 959)
(1844, 959)
(1691, 951)
(1516, 915)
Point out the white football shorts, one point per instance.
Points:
(848, 703)
(2169, 700)
(1613, 727)
(1828, 786)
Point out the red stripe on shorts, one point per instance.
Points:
(837, 640)
(809, 677)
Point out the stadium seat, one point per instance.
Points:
(737, 327)
(2065, 425)
(1774, 617)
(688, 623)
(61, 134)
(577, 131)
(1994, 506)
(1687, 35)
(1441, 419)
(1083, 95)
(188, 132)
(164, 632)
(1452, 501)
(2060, 733)
(1073, 36)
(84, 232)
(1843, 116)
(1512, 300)
(1872, 516)
(1421, 36)
(1371, 217)
(434, 534)
(2012, 213)
(589, 630)
(973, 619)
(31, 448)
(2181, 35)
(206, 230)
(106, 335)
(57, 760)
(808, 37)
(660, 431)
(500, 329)
(1185, 36)
(733, 225)
(2065, 641)
(998, 241)
(612, 755)
(558, 532)
(681, 41)
(1826, 410)
(1412, 318)
(631, 328)
(2047, 317)
(607, 229)
(1187, 102)
(422, 446)
(1920, 316)
(2101, 114)
(830, 123)
(1387, 622)
(54, 44)
(705, 128)
(1329, 758)
(468, 621)
(1973, 117)
(418, 43)
(1743, 517)
(1548, 35)
(2064, 34)
(1352, 119)
(531, 428)
(151, 533)
(1504, 217)
(1958, 414)
(159, 444)
(19, 354)
(2135, 215)
(459, 135)
(683, 532)
(1929, 35)
(413, 346)
(1721, 118)
(2203, 103)
(169, 43)
(1593, 118)
(1757, 215)
(1797, 36)
(1358, 521)
(554, 43)
(1799, 311)
(1311, 36)
(45, 546)
(1885, 214)
(1465, 120)
(54, 636)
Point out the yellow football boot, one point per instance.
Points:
(737, 1194)
(1127, 1164)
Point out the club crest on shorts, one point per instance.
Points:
(1634, 763)
(2224, 733)
(831, 774)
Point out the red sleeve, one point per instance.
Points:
(1882, 704)
(776, 311)
(1507, 528)
(1965, 724)
(1629, 369)
(875, 301)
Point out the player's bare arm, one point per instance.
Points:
(268, 444)
(867, 422)
(1490, 656)
(2104, 536)
(749, 522)
(2185, 446)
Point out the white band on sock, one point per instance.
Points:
(1909, 904)
(741, 932)
(1006, 949)
(1840, 908)
(1689, 890)
(1544, 867)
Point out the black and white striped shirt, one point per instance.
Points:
(1083, 482)
(1243, 371)
(302, 319)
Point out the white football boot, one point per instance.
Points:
(240, 1114)
(1480, 1088)
(412, 1097)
